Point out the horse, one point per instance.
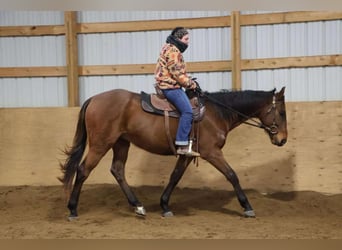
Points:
(114, 119)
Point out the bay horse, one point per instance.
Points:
(115, 119)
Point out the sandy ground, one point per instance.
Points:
(39, 212)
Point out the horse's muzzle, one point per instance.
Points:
(280, 143)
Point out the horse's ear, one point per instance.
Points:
(282, 91)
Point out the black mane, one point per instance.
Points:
(244, 101)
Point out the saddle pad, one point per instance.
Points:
(158, 106)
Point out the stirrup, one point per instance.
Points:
(187, 151)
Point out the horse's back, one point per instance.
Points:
(109, 105)
(116, 98)
(114, 95)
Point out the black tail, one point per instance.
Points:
(75, 153)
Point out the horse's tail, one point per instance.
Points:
(75, 152)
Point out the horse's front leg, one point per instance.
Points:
(218, 161)
(182, 164)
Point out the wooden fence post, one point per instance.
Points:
(70, 19)
(236, 50)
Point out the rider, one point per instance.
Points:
(171, 78)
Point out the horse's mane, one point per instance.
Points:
(236, 99)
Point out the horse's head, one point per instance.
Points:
(273, 118)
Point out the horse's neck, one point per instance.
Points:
(246, 110)
(251, 109)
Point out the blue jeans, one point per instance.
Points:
(181, 101)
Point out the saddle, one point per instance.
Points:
(153, 103)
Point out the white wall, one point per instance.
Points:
(298, 39)
(32, 51)
(265, 41)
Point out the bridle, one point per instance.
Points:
(272, 129)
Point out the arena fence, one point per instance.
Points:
(235, 21)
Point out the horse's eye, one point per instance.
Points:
(282, 113)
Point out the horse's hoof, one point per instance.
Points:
(168, 214)
(249, 214)
(72, 217)
(140, 211)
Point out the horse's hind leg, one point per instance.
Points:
(120, 150)
(83, 171)
(182, 164)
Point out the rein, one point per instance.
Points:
(273, 129)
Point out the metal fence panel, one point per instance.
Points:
(290, 40)
(32, 51)
(263, 41)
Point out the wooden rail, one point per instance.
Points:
(141, 69)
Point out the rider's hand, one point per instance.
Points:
(193, 85)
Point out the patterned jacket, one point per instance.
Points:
(170, 72)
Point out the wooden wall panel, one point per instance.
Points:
(32, 140)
